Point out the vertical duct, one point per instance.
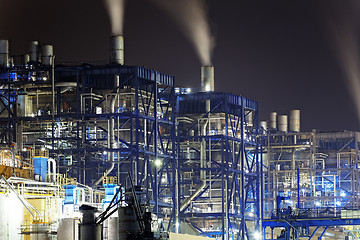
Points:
(34, 51)
(117, 49)
(273, 116)
(295, 120)
(47, 53)
(207, 78)
(4, 53)
(283, 123)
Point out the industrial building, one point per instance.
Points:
(117, 152)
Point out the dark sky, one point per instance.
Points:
(276, 52)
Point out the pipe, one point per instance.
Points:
(23, 201)
(111, 131)
(53, 162)
(187, 202)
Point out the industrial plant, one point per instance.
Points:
(117, 152)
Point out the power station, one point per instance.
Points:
(118, 152)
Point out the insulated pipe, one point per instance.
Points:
(111, 131)
(117, 49)
(187, 202)
(52, 162)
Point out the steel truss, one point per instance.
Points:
(219, 164)
(104, 119)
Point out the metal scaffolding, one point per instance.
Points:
(219, 164)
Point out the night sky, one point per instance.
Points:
(276, 52)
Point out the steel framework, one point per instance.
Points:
(96, 120)
(219, 164)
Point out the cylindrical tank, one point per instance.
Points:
(88, 229)
(117, 49)
(112, 226)
(273, 116)
(26, 59)
(283, 123)
(68, 229)
(34, 51)
(47, 53)
(295, 120)
(127, 222)
(40, 231)
(263, 124)
(207, 78)
(4, 53)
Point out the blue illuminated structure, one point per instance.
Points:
(40, 167)
(219, 163)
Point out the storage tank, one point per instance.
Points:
(4, 53)
(273, 116)
(283, 123)
(34, 51)
(68, 229)
(207, 78)
(295, 120)
(26, 59)
(47, 53)
(263, 124)
(117, 49)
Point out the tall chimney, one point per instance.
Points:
(4, 53)
(273, 116)
(283, 123)
(207, 78)
(117, 49)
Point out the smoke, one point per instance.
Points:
(116, 11)
(191, 16)
(342, 24)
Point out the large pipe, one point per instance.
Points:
(52, 173)
(295, 120)
(4, 53)
(47, 53)
(117, 49)
(111, 131)
(207, 79)
(187, 202)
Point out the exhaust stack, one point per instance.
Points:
(117, 49)
(47, 53)
(207, 78)
(34, 51)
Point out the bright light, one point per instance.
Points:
(188, 90)
(338, 203)
(158, 162)
(163, 180)
(43, 149)
(257, 235)
(44, 78)
(343, 194)
(251, 214)
(105, 152)
(318, 204)
(207, 88)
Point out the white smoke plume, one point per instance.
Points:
(116, 12)
(191, 16)
(344, 29)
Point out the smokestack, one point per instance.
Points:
(283, 123)
(47, 53)
(273, 116)
(295, 120)
(117, 49)
(207, 78)
(4, 53)
(34, 51)
(26, 59)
